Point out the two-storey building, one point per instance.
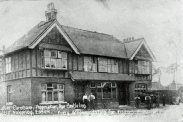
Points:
(54, 64)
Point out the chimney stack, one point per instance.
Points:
(51, 13)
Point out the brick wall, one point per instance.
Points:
(36, 89)
(132, 90)
(20, 94)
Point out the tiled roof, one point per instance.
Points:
(29, 37)
(132, 46)
(96, 43)
(100, 76)
(87, 42)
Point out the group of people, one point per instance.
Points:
(150, 100)
(89, 101)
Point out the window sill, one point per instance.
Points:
(52, 103)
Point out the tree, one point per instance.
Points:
(172, 69)
(157, 72)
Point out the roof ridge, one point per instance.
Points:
(87, 30)
(43, 23)
(134, 40)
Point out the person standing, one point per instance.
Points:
(91, 101)
(85, 100)
(163, 100)
(137, 101)
(148, 101)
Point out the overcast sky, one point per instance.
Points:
(158, 21)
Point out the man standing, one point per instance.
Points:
(137, 101)
(148, 101)
(91, 99)
(85, 101)
(163, 100)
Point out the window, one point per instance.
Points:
(52, 92)
(90, 64)
(9, 91)
(54, 59)
(143, 67)
(8, 64)
(105, 90)
(141, 87)
(102, 64)
(108, 65)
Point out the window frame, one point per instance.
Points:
(8, 64)
(139, 89)
(101, 87)
(52, 90)
(9, 93)
(60, 57)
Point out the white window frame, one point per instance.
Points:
(60, 55)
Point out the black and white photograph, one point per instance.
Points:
(91, 60)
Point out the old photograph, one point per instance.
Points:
(91, 60)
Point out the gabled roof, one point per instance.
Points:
(29, 37)
(132, 48)
(81, 41)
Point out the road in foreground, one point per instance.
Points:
(172, 113)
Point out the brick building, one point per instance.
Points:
(55, 64)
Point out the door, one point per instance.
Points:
(123, 91)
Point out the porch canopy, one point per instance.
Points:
(80, 76)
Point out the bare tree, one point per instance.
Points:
(172, 69)
(157, 72)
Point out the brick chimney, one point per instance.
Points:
(51, 13)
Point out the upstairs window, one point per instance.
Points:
(55, 59)
(102, 64)
(143, 67)
(90, 64)
(112, 66)
(8, 64)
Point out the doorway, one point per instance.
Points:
(123, 93)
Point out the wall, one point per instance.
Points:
(36, 88)
(132, 90)
(21, 91)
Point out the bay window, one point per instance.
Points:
(54, 59)
(52, 92)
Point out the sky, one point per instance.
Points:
(158, 21)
